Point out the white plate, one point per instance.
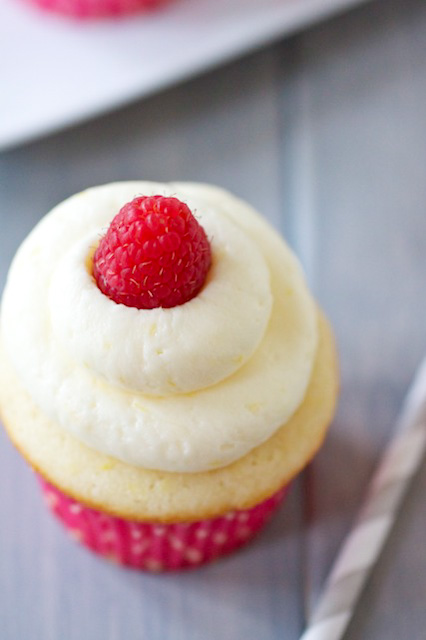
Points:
(55, 72)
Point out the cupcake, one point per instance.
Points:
(163, 368)
(83, 9)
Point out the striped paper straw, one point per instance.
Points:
(361, 549)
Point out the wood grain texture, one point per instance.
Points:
(325, 133)
(354, 101)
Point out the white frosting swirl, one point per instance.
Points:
(163, 351)
(185, 389)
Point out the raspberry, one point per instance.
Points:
(154, 254)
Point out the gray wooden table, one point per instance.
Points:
(326, 134)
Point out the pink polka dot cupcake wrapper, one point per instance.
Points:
(159, 547)
(97, 8)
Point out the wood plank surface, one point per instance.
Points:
(355, 101)
(326, 134)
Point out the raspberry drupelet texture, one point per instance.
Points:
(154, 254)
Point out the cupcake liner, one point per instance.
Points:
(97, 8)
(159, 547)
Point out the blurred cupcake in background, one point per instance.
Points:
(84, 9)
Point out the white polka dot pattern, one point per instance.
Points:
(157, 547)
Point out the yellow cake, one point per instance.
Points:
(208, 408)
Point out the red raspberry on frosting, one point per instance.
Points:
(154, 254)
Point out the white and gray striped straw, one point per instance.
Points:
(360, 551)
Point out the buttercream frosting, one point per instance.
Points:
(186, 389)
